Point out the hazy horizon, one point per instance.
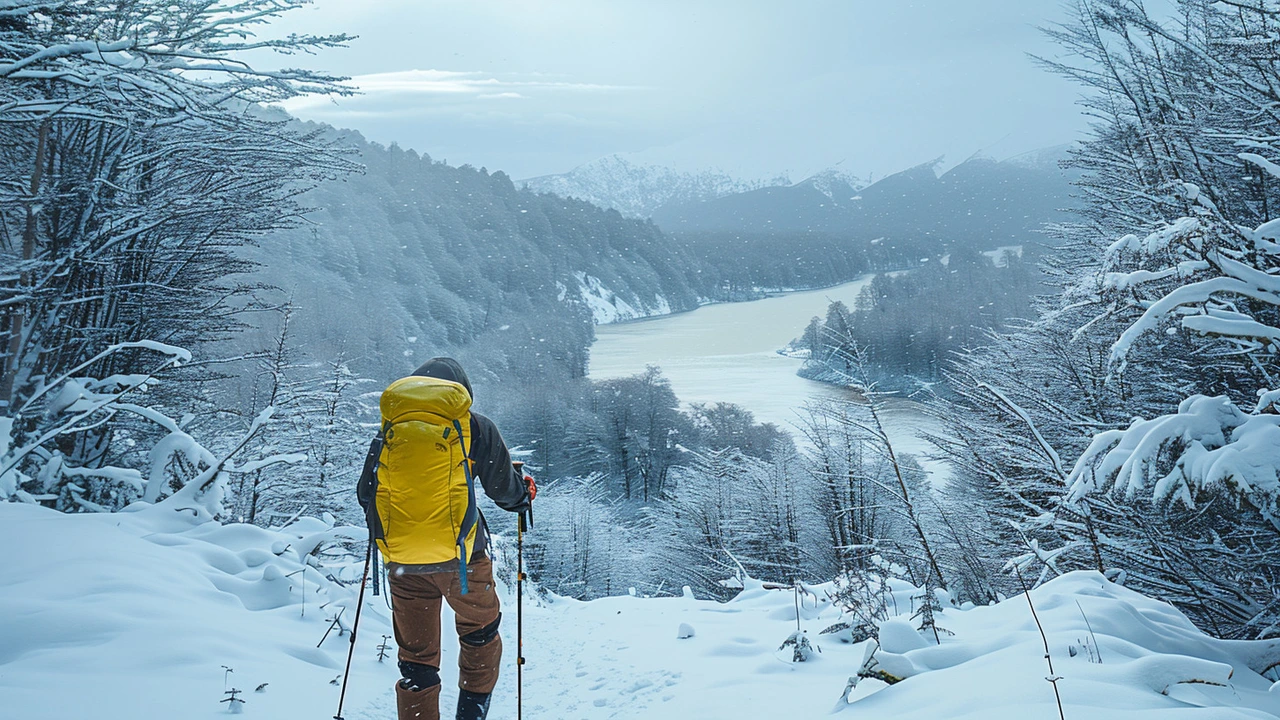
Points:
(752, 88)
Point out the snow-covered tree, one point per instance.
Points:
(724, 425)
(582, 547)
(342, 414)
(847, 495)
(700, 529)
(134, 162)
(877, 471)
(638, 426)
(320, 411)
(163, 463)
(783, 525)
(1208, 446)
(1167, 313)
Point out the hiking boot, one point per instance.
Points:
(472, 706)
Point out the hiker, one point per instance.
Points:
(418, 492)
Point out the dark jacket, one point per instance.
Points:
(490, 461)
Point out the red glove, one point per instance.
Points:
(531, 486)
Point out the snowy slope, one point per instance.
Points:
(633, 665)
(606, 306)
(637, 190)
(1117, 654)
(131, 616)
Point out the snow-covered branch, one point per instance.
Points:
(1208, 445)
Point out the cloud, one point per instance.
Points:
(449, 87)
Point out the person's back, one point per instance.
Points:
(418, 492)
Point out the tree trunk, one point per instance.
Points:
(9, 387)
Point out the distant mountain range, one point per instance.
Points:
(982, 202)
(637, 190)
(831, 227)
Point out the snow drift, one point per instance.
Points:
(133, 615)
(1115, 654)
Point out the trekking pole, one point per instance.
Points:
(355, 625)
(521, 526)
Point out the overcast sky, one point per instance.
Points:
(753, 87)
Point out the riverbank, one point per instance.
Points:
(766, 294)
(728, 352)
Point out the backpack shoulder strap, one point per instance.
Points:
(367, 486)
(472, 514)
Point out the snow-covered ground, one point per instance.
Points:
(134, 615)
(999, 256)
(637, 189)
(607, 307)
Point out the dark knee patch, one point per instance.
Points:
(417, 675)
(484, 635)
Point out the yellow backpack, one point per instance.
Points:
(424, 490)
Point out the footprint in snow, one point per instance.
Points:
(737, 649)
(639, 685)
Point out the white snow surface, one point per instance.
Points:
(607, 307)
(638, 189)
(999, 256)
(132, 616)
(1220, 445)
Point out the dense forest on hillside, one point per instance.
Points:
(414, 257)
(775, 261)
(909, 326)
(825, 230)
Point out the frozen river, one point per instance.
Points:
(728, 352)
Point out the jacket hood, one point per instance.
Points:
(445, 368)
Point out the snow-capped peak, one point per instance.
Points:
(637, 190)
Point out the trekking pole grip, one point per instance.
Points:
(525, 522)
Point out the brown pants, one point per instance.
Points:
(415, 602)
